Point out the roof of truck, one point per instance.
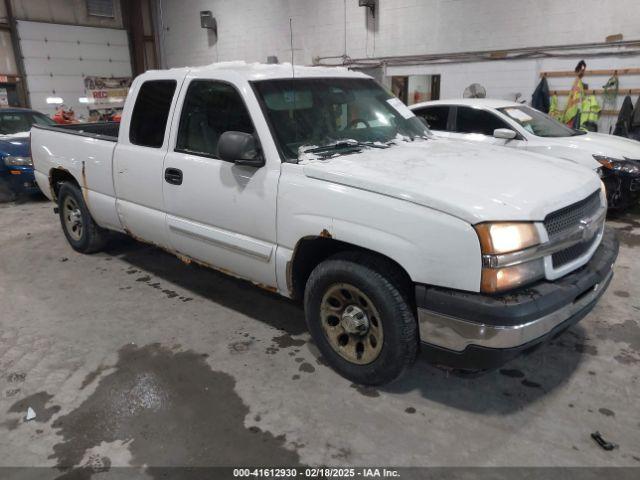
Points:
(264, 71)
(471, 102)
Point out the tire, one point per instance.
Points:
(89, 237)
(387, 318)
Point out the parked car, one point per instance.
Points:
(325, 188)
(16, 167)
(514, 125)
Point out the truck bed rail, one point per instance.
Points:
(101, 130)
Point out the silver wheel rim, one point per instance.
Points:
(351, 323)
(72, 218)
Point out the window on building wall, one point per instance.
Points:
(210, 109)
(101, 8)
(416, 88)
(150, 113)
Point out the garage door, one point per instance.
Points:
(57, 58)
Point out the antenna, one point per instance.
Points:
(293, 70)
(293, 87)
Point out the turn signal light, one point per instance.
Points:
(494, 280)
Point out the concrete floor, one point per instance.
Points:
(130, 357)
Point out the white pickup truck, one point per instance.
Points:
(318, 184)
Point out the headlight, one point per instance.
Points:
(507, 237)
(12, 161)
(618, 164)
(504, 237)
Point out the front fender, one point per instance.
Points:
(433, 247)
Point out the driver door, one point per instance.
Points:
(219, 213)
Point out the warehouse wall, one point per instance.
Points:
(505, 79)
(251, 30)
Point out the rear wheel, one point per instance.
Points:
(77, 224)
(360, 320)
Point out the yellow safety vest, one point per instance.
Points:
(575, 101)
(554, 111)
(590, 110)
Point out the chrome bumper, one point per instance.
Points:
(457, 334)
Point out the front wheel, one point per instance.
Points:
(77, 224)
(360, 321)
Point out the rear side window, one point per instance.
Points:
(436, 117)
(210, 109)
(150, 113)
(473, 120)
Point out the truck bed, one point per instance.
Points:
(84, 152)
(101, 130)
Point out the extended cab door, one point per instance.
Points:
(218, 212)
(139, 157)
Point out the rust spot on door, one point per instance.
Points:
(183, 258)
(268, 288)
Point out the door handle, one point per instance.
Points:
(173, 176)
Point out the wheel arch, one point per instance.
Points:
(312, 250)
(57, 176)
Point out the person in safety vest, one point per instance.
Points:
(572, 113)
(590, 113)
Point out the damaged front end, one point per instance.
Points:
(621, 178)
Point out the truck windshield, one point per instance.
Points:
(342, 115)
(538, 123)
(17, 122)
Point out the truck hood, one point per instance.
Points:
(581, 148)
(473, 182)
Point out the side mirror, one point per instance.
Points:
(504, 133)
(240, 148)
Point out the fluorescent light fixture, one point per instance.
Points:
(54, 100)
(83, 100)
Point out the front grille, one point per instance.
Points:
(573, 252)
(568, 218)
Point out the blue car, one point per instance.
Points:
(16, 167)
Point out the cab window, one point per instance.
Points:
(210, 109)
(150, 113)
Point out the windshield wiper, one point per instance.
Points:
(342, 147)
(344, 144)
